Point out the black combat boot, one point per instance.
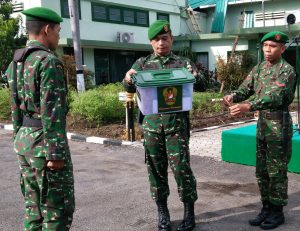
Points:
(274, 219)
(164, 223)
(188, 222)
(261, 217)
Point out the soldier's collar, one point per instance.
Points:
(268, 65)
(36, 43)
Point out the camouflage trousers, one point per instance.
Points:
(173, 148)
(49, 195)
(272, 158)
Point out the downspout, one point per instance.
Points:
(263, 11)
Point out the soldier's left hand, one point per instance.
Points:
(240, 108)
(55, 164)
(190, 69)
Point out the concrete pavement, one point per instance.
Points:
(112, 191)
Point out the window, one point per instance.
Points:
(128, 16)
(202, 60)
(248, 19)
(161, 16)
(114, 14)
(64, 6)
(99, 13)
(142, 18)
(120, 15)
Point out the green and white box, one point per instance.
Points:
(164, 91)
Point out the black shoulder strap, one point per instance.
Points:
(20, 55)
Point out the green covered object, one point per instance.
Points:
(239, 146)
(158, 27)
(42, 14)
(275, 36)
(164, 90)
(163, 77)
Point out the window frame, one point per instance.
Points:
(122, 9)
(164, 15)
(62, 12)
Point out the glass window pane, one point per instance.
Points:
(114, 14)
(141, 18)
(128, 16)
(163, 17)
(65, 8)
(99, 12)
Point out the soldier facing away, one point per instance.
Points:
(166, 136)
(272, 83)
(39, 108)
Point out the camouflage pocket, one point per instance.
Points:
(60, 192)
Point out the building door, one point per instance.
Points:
(101, 66)
(120, 63)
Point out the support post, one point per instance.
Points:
(129, 117)
(74, 20)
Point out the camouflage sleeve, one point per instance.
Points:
(246, 89)
(16, 114)
(138, 67)
(53, 108)
(281, 92)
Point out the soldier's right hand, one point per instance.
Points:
(228, 100)
(128, 75)
(55, 164)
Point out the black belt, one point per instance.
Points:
(271, 115)
(31, 122)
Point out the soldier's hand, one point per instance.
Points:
(55, 164)
(190, 69)
(228, 99)
(128, 75)
(240, 108)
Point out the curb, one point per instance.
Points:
(107, 141)
(87, 139)
(223, 125)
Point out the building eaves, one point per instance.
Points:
(106, 45)
(212, 36)
(247, 33)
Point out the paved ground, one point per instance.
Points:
(112, 189)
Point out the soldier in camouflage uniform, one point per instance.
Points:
(272, 83)
(39, 109)
(166, 136)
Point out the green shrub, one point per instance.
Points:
(4, 103)
(98, 105)
(202, 103)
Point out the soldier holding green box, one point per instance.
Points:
(166, 136)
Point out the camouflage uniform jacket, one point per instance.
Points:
(168, 122)
(41, 95)
(273, 87)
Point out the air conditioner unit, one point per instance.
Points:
(125, 37)
(292, 17)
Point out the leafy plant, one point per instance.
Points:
(9, 38)
(203, 104)
(5, 103)
(99, 105)
(70, 73)
(234, 72)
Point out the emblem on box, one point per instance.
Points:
(170, 94)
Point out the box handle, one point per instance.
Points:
(164, 75)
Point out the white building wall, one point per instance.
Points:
(216, 48)
(100, 31)
(233, 16)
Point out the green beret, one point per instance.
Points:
(42, 14)
(276, 36)
(158, 27)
